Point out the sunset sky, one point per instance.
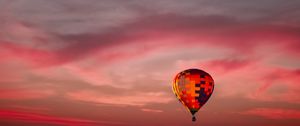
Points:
(112, 62)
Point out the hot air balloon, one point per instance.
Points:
(193, 87)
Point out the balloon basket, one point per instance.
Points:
(194, 119)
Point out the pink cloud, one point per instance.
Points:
(24, 42)
(93, 76)
(136, 99)
(227, 65)
(24, 94)
(281, 75)
(274, 79)
(151, 110)
(274, 113)
(229, 33)
(8, 74)
(127, 50)
(44, 119)
(27, 55)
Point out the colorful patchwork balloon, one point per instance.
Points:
(193, 87)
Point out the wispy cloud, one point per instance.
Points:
(274, 113)
(44, 119)
(135, 99)
(151, 110)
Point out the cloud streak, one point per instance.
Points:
(135, 99)
(270, 113)
(44, 119)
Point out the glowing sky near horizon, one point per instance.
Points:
(111, 62)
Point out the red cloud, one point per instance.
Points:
(274, 113)
(27, 55)
(23, 94)
(44, 119)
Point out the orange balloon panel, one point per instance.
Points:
(193, 88)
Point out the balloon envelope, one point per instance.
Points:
(193, 87)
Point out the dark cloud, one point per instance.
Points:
(215, 30)
(218, 30)
(66, 17)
